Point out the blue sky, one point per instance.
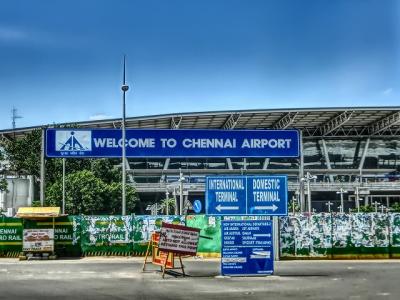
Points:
(60, 61)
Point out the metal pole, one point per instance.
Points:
(124, 89)
(42, 170)
(167, 202)
(301, 175)
(176, 201)
(341, 200)
(180, 192)
(357, 199)
(63, 186)
(308, 193)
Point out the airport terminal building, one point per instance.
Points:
(349, 152)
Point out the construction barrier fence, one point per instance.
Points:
(330, 236)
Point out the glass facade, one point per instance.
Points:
(344, 154)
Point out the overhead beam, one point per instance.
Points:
(384, 123)
(285, 121)
(335, 122)
(175, 122)
(231, 121)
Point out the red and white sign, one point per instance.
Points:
(179, 239)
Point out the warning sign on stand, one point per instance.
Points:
(179, 239)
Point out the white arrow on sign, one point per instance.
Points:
(262, 234)
(219, 207)
(273, 207)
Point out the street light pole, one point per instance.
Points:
(341, 192)
(329, 204)
(181, 178)
(167, 201)
(124, 88)
(307, 179)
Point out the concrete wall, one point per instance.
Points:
(20, 193)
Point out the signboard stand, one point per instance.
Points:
(164, 259)
(172, 241)
(38, 241)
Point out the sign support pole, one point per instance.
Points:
(42, 170)
(63, 186)
(275, 244)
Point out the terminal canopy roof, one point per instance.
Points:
(38, 212)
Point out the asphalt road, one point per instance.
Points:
(121, 278)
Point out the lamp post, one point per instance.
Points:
(307, 179)
(376, 206)
(341, 192)
(124, 88)
(181, 179)
(294, 204)
(329, 204)
(167, 202)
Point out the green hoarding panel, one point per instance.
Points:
(145, 225)
(210, 227)
(10, 235)
(106, 234)
(66, 233)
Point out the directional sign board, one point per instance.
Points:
(247, 248)
(246, 195)
(63, 142)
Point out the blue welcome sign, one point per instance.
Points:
(171, 143)
(247, 247)
(246, 195)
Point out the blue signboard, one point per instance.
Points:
(247, 248)
(197, 206)
(172, 143)
(246, 195)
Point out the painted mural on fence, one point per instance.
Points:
(106, 233)
(338, 235)
(143, 226)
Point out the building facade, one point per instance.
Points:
(349, 153)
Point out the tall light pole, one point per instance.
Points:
(167, 202)
(341, 192)
(124, 88)
(181, 179)
(329, 204)
(307, 179)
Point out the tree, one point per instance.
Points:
(3, 181)
(24, 154)
(87, 194)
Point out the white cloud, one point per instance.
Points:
(11, 34)
(387, 91)
(99, 116)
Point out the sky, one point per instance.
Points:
(61, 61)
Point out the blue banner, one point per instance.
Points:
(246, 195)
(247, 248)
(172, 143)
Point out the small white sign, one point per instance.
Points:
(38, 240)
(179, 239)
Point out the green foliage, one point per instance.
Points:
(395, 207)
(365, 209)
(171, 205)
(296, 206)
(3, 182)
(24, 154)
(87, 194)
